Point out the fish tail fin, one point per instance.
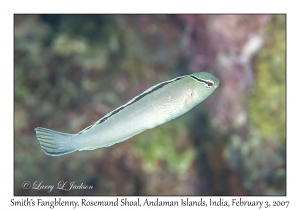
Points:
(54, 143)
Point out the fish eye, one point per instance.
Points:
(209, 84)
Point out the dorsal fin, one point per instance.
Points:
(135, 99)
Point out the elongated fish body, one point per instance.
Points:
(155, 106)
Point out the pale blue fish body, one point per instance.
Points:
(155, 106)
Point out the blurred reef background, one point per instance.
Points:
(71, 70)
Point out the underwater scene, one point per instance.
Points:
(72, 70)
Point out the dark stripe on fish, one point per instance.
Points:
(137, 98)
(208, 83)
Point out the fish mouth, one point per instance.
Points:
(217, 82)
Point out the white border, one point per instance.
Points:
(214, 6)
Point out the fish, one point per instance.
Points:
(157, 105)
